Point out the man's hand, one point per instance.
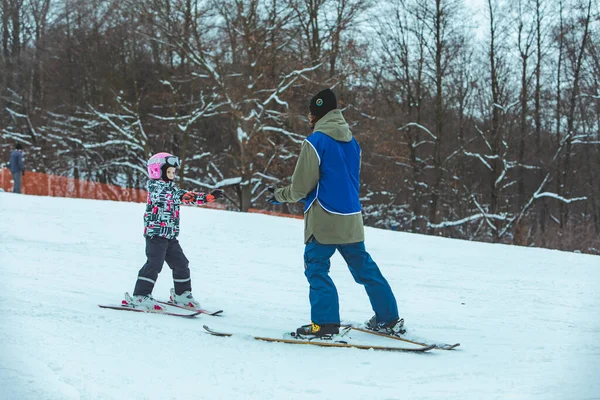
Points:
(272, 199)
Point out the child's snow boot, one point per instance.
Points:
(185, 299)
(144, 301)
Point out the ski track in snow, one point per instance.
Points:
(527, 319)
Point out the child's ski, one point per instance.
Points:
(200, 310)
(421, 349)
(439, 346)
(130, 308)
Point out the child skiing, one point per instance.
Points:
(161, 228)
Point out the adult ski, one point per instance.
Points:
(421, 349)
(142, 310)
(200, 310)
(437, 346)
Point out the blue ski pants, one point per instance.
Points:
(17, 181)
(324, 301)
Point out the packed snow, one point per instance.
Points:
(528, 319)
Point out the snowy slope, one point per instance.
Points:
(528, 319)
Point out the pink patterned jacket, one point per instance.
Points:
(162, 209)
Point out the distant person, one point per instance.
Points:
(327, 177)
(161, 228)
(17, 169)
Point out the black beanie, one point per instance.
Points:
(322, 103)
(18, 146)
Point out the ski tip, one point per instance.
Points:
(195, 314)
(447, 346)
(215, 333)
(207, 329)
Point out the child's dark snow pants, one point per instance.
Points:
(159, 250)
(323, 294)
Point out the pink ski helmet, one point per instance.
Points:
(156, 162)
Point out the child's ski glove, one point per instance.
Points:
(189, 197)
(201, 198)
(216, 194)
(212, 196)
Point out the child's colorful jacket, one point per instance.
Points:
(162, 209)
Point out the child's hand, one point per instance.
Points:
(201, 198)
(217, 194)
(189, 197)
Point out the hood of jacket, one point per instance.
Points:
(334, 125)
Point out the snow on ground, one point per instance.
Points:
(528, 320)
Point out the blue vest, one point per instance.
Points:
(339, 182)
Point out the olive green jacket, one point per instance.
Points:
(327, 228)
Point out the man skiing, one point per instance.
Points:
(327, 178)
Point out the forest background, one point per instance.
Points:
(476, 122)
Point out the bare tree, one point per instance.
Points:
(400, 82)
(322, 24)
(37, 89)
(441, 19)
(525, 40)
(576, 50)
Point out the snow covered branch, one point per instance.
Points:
(557, 197)
(419, 126)
(479, 157)
(465, 220)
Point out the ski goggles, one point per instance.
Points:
(171, 161)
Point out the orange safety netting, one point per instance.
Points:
(40, 184)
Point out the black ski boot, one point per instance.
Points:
(314, 330)
(394, 328)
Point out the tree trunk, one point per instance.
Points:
(439, 112)
(565, 192)
(495, 125)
